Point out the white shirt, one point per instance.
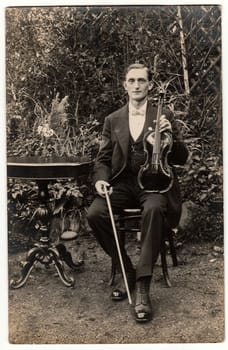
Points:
(137, 120)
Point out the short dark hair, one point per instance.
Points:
(139, 66)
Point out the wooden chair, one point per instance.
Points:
(167, 242)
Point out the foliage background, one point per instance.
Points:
(78, 55)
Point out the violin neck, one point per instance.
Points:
(157, 142)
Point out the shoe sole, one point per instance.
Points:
(120, 298)
(143, 320)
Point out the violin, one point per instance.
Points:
(156, 174)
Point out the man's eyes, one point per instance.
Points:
(141, 81)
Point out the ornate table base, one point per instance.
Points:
(47, 254)
(44, 251)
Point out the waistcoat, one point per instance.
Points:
(136, 154)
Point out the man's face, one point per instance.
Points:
(137, 84)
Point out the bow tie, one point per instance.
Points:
(137, 112)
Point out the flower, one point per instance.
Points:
(45, 130)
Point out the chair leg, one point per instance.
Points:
(172, 247)
(164, 264)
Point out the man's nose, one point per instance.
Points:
(136, 84)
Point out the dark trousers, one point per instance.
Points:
(127, 194)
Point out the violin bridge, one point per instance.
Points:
(154, 168)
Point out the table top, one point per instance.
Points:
(47, 168)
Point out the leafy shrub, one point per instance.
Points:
(54, 133)
(68, 201)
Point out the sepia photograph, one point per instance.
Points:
(114, 160)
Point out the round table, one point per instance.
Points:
(42, 171)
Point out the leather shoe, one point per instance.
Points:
(143, 310)
(120, 292)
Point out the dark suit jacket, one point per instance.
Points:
(112, 156)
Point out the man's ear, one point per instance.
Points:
(125, 85)
(150, 85)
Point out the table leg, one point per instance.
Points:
(45, 252)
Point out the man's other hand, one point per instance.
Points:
(165, 124)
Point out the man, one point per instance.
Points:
(119, 159)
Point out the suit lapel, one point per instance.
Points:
(122, 130)
(150, 117)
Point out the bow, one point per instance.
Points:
(137, 112)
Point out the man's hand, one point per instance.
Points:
(165, 124)
(100, 187)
